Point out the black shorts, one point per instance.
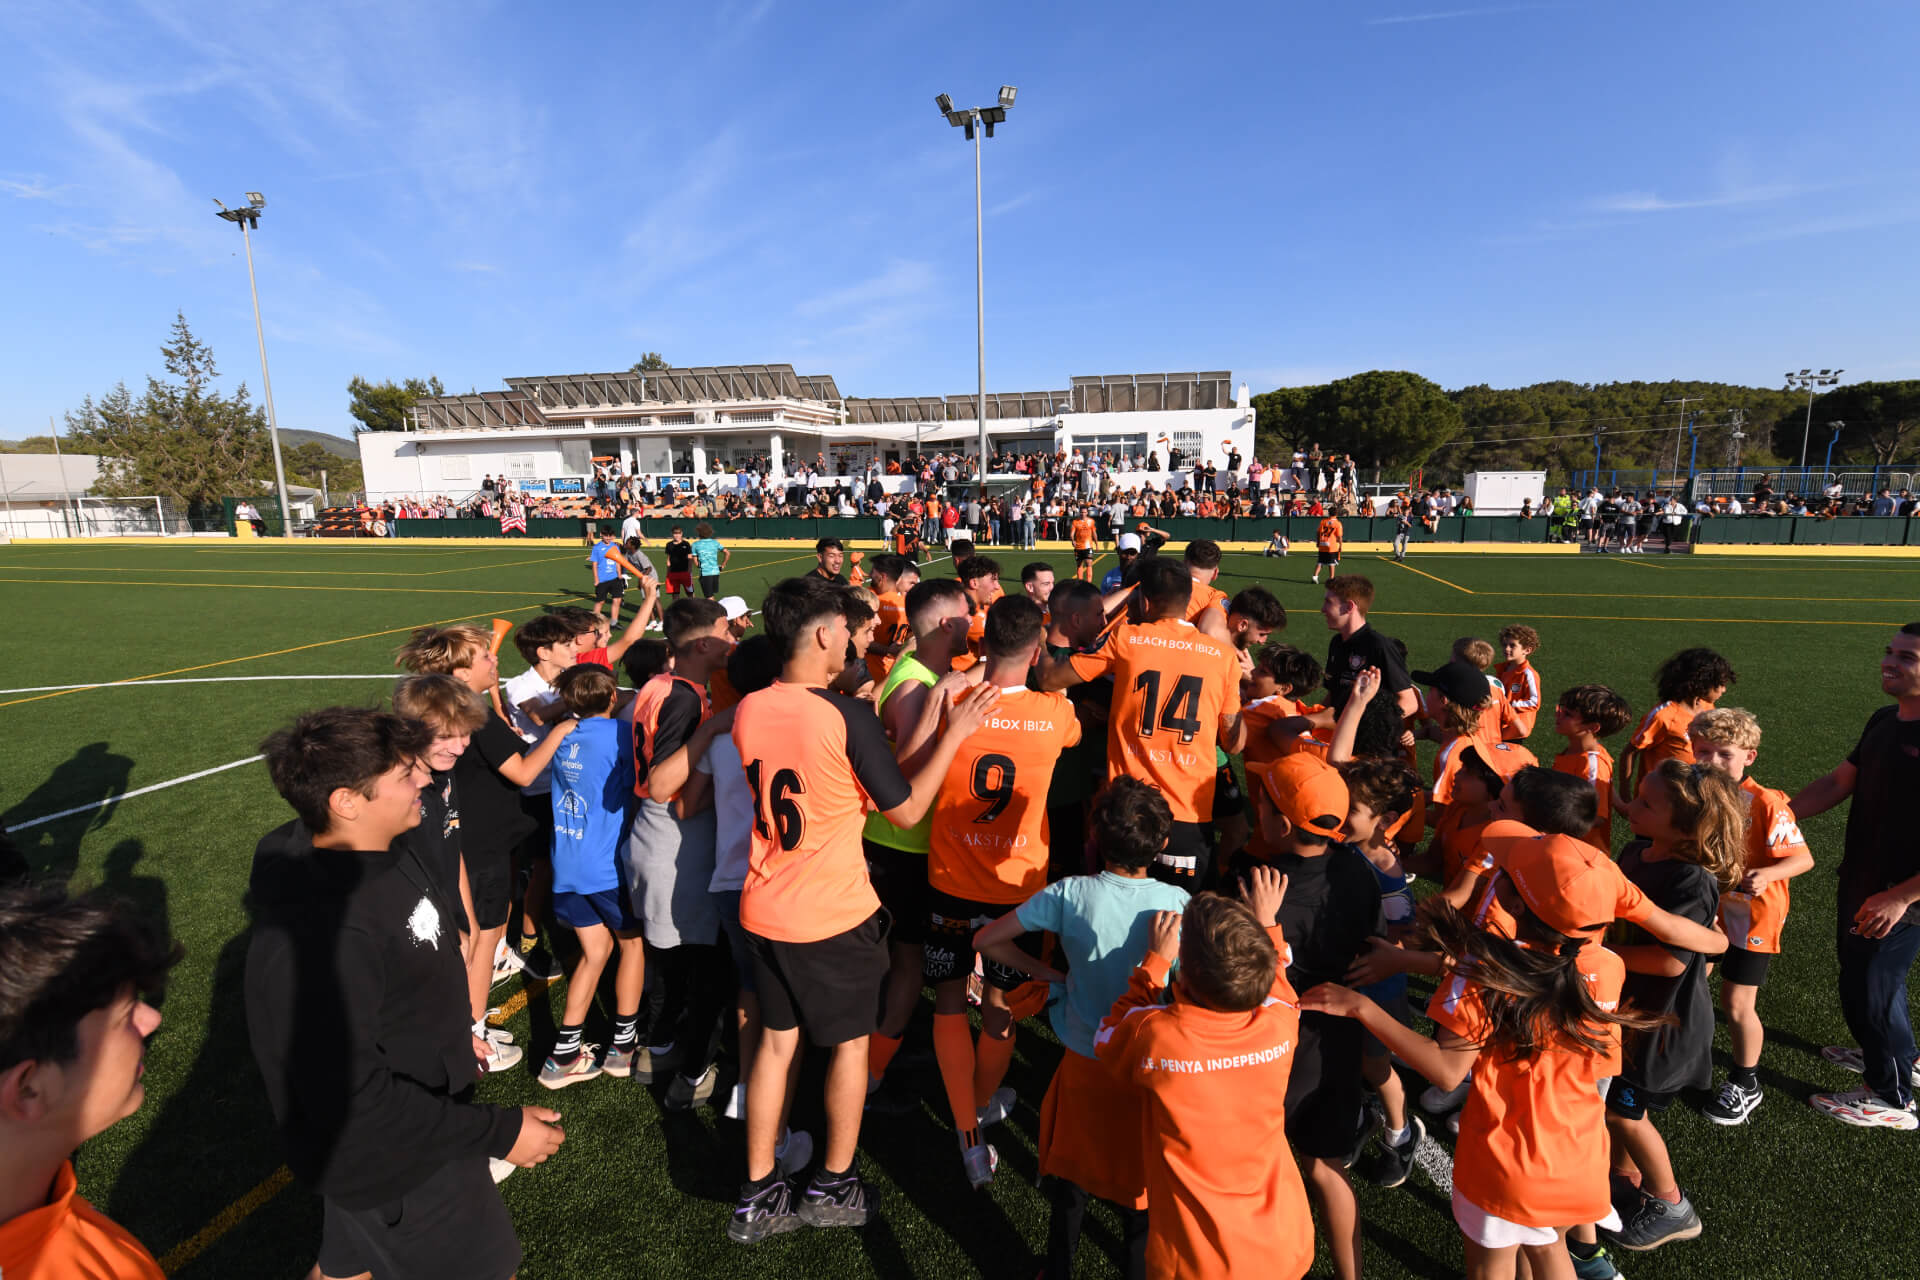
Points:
(612, 589)
(1329, 557)
(709, 583)
(1630, 1102)
(1229, 801)
(453, 1224)
(1326, 1119)
(491, 879)
(538, 846)
(1748, 968)
(1083, 555)
(951, 924)
(900, 878)
(1187, 860)
(831, 986)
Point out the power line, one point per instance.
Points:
(1576, 435)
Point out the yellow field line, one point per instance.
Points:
(1423, 573)
(271, 586)
(1692, 595)
(274, 653)
(226, 1220)
(505, 564)
(1624, 617)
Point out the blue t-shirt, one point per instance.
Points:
(1396, 906)
(592, 785)
(1102, 922)
(604, 569)
(1112, 582)
(707, 552)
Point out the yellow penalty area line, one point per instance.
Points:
(226, 1220)
(1423, 573)
(1626, 617)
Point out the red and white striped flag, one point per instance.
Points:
(513, 516)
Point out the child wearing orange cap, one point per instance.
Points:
(1332, 909)
(1535, 1017)
(1226, 1194)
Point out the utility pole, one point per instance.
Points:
(1683, 402)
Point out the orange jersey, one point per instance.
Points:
(1596, 766)
(1493, 714)
(815, 763)
(68, 1239)
(990, 820)
(1082, 532)
(1174, 689)
(1458, 840)
(666, 711)
(1205, 596)
(1662, 735)
(1327, 537)
(1533, 1133)
(1521, 683)
(892, 631)
(1226, 1194)
(1754, 921)
(1258, 716)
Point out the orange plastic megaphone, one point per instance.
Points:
(500, 628)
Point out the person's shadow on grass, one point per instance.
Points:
(93, 775)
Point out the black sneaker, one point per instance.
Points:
(836, 1202)
(682, 1094)
(1392, 1165)
(540, 964)
(763, 1213)
(1733, 1104)
(1655, 1222)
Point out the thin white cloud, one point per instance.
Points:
(1008, 206)
(1652, 202)
(1445, 15)
(475, 266)
(31, 189)
(901, 281)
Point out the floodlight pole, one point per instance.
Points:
(245, 217)
(1811, 381)
(980, 299)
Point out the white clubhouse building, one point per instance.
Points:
(547, 433)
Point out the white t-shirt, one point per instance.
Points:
(630, 528)
(732, 814)
(528, 687)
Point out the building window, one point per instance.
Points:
(1120, 446)
(456, 467)
(1192, 446)
(576, 457)
(520, 467)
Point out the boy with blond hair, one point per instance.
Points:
(1754, 912)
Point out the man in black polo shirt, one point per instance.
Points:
(1356, 646)
(832, 555)
(1878, 933)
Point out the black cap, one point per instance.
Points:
(1460, 681)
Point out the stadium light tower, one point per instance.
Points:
(976, 121)
(1810, 381)
(245, 219)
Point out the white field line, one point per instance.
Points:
(129, 684)
(1432, 1159)
(128, 795)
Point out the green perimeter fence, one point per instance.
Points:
(1858, 531)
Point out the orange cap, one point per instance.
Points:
(1572, 886)
(1504, 758)
(1308, 791)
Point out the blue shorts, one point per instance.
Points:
(584, 910)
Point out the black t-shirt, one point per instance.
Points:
(1332, 908)
(821, 573)
(679, 557)
(1347, 657)
(1680, 1056)
(1609, 510)
(436, 842)
(1882, 848)
(490, 805)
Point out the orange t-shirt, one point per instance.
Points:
(1262, 713)
(1205, 596)
(893, 630)
(1457, 840)
(1174, 689)
(666, 711)
(1489, 728)
(1521, 683)
(1595, 766)
(1328, 536)
(1662, 735)
(68, 1239)
(989, 834)
(815, 763)
(1082, 535)
(1533, 1133)
(1754, 921)
(1226, 1194)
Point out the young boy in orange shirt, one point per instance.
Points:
(1753, 913)
(1520, 681)
(1688, 683)
(1583, 715)
(1227, 1197)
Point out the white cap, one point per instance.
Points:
(735, 607)
(1129, 542)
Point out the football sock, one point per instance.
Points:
(528, 941)
(1397, 1137)
(1582, 1251)
(626, 1031)
(880, 1051)
(1745, 1077)
(991, 1058)
(567, 1047)
(953, 1050)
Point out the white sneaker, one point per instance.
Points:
(506, 962)
(998, 1107)
(500, 1169)
(1848, 1058)
(1863, 1109)
(504, 1056)
(497, 1035)
(736, 1108)
(980, 1161)
(1437, 1101)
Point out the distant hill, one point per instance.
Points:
(334, 445)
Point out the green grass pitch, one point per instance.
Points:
(636, 1191)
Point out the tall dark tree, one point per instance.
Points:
(382, 406)
(1882, 422)
(651, 362)
(181, 438)
(1385, 418)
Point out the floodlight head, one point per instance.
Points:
(1007, 93)
(945, 103)
(257, 200)
(1805, 372)
(1838, 372)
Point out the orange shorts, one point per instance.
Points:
(1755, 922)
(1092, 1131)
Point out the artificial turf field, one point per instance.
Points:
(196, 1173)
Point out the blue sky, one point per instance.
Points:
(1498, 193)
